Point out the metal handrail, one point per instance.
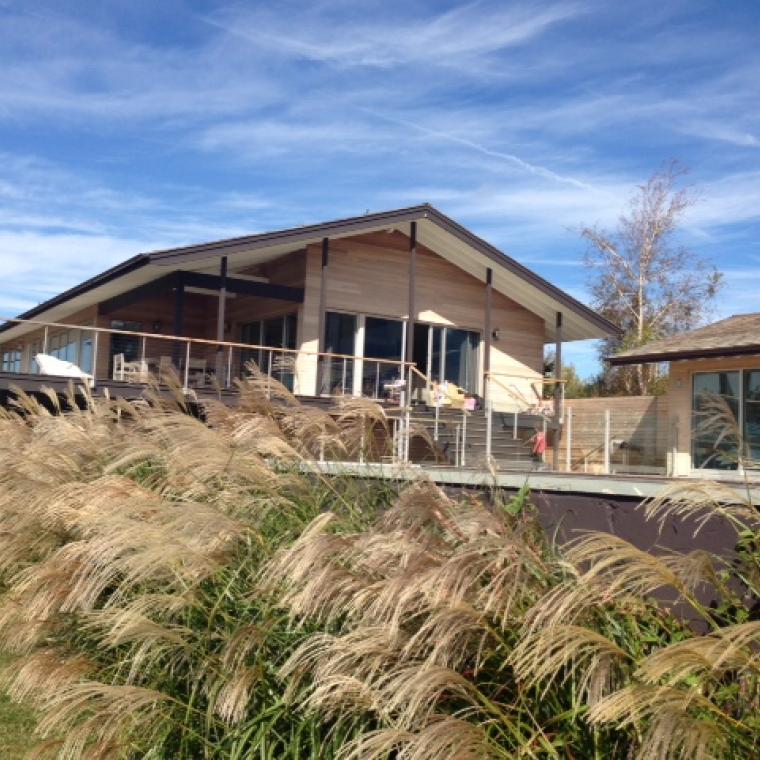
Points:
(203, 341)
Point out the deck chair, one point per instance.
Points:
(130, 372)
(50, 365)
(196, 376)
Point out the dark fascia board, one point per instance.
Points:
(672, 356)
(229, 246)
(130, 265)
(358, 223)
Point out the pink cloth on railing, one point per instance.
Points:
(539, 443)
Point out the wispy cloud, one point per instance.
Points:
(331, 33)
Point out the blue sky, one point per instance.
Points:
(133, 125)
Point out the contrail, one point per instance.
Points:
(511, 158)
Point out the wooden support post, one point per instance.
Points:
(488, 335)
(569, 439)
(179, 308)
(557, 390)
(324, 370)
(220, 316)
(323, 293)
(179, 319)
(412, 290)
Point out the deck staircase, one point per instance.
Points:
(507, 450)
(468, 448)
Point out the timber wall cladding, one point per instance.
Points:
(639, 431)
(369, 274)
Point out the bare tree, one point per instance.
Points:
(644, 280)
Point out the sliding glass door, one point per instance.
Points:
(383, 339)
(751, 392)
(336, 373)
(275, 332)
(726, 427)
(447, 354)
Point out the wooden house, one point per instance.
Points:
(402, 299)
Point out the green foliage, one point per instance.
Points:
(16, 725)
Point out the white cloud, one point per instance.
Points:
(453, 38)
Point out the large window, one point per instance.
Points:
(11, 361)
(447, 354)
(277, 332)
(73, 346)
(726, 417)
(383, 339)
(336, 374)
(751, 394)
(129, 345)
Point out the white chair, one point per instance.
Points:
(166, 368)
(131, 372)
(196, 372)
(50, 365)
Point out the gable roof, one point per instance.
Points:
(733, 336)
(434, 230)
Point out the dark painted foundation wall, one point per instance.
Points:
(567, 515)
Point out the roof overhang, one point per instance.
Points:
(685, 355)
(434, 230)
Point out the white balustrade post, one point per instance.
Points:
(489, 428)
(229, 367)
(187, 366)
(95, 358)
(408, 430)
(543, 427)
(607, 429)
(464, 437)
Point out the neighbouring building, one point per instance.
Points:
(720, 361)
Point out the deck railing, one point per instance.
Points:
(201, 362)
(593, 441)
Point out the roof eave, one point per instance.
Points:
(670, 356)
(130, 265)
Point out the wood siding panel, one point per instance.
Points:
(369, 274)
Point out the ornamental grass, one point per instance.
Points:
(185, 585)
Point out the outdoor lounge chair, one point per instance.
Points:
(50, 365)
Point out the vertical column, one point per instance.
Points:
(412, 291)
(324, 370)
(222, 299)
(488, 329)
(179, 318)
(323, 294)
(557, 390)
(220, 317)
